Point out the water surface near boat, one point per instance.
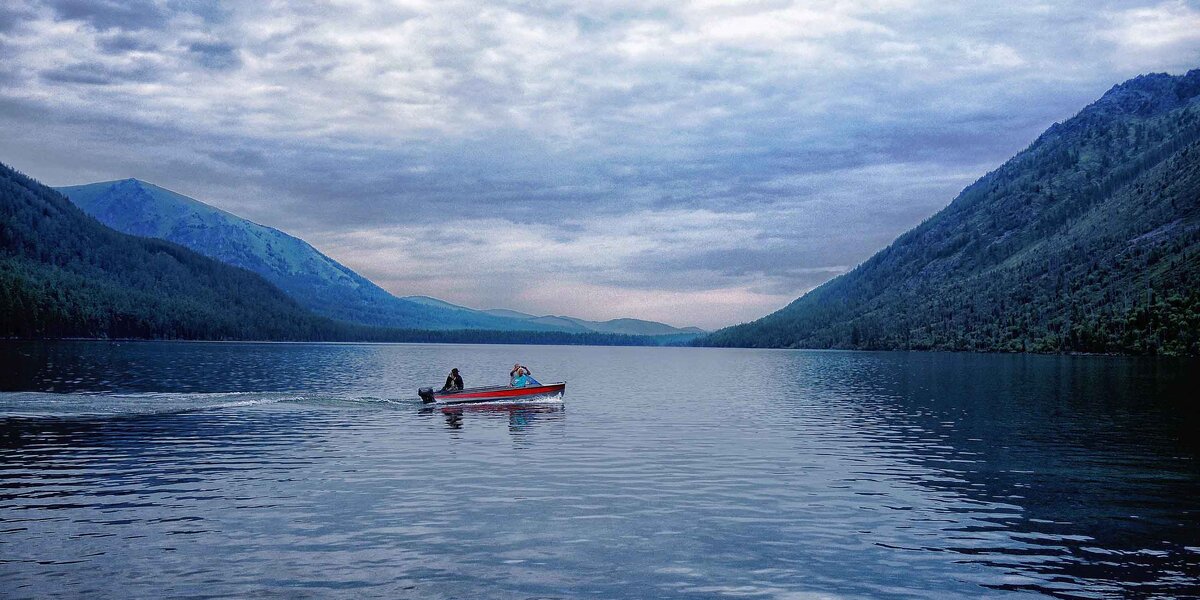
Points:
(311, 470)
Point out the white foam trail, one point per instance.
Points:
(92, 405)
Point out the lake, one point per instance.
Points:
(311, 470)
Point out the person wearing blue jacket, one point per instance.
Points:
(520, 376)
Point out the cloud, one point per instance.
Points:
(1168, 32)
(594, 264)
(96, 73)
(12, 17)
(111, 14)
(215, 55)
(121, 43)
(683, 153)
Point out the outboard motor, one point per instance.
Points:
(426, 394)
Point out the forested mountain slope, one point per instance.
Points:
(314, 280)
(1088, 240)
(64, 274)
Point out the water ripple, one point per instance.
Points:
(215, 470)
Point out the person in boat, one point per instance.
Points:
(454, 382)
(520, 376)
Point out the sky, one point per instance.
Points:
(688, 161)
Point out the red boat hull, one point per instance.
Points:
(499, 394)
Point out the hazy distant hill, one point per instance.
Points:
(560, 323)
(1089, 240)
(64, 274)
(316, 281)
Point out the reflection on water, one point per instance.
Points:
(312, 471)
(520, 416)
(1088, 457)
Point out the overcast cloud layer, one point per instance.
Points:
(690, 162)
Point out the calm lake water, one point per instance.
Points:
(296, 470)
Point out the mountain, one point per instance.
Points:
(558, 323)
(631, 326)
(1088, 240)
(428, 301)
(314, 280)
(511, 314)
(63, 274)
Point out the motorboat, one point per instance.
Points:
(496, 393)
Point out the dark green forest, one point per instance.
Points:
(65, 275)
(1087, 241)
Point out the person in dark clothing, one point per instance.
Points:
(453, 382)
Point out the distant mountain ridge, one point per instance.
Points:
(623, 326)
(1088, 240)
(316, 281)
(65, 274)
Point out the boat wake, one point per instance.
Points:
(93, 405)
(50, 405)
